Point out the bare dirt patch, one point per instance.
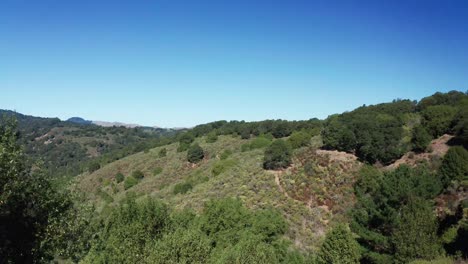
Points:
(438, 147)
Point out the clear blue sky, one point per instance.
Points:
(181, 63)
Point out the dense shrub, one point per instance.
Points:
(373, 133)
(130, 182)
(28, 204)
(224, 232)
(249, 249)
(461, 124)
(277, 155)
(454, 165)
(195, 154)
(119, 177)
(181, 246)
(211, 137)
(245, 133)
(184, 142)
(221, 166)
(127, 232)
(259, 142)
(339, 247)
(105, 196)
(415, 235)
(380, 198)
(299, 139)
(281, 129)
(337, 136)
(420, 139)
(438, 119)
(94, 166)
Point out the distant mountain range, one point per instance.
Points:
(82, 121)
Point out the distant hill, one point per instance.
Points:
(79, 120)
(67, 148)
(117, 124)
(82, 121)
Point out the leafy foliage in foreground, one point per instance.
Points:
(226, 232)
(27, 204)
(339, 247)
(391, 209)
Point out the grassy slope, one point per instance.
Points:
(245, 178)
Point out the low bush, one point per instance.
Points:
(105, 196)
(222, 166)
(138, 174)
(119, 177)
(182, 188)
(130, 182)
(260, 142)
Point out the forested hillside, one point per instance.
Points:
(68, 148)
(385, 183)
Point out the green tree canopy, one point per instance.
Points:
(277, 155)
(415, 234)
(195, 154)
(27, 204)
(380, 199)
(185, 140)
(438, 119)
(339, 247)
(212, 137)
(299, 139)
(420, 139)
(454, 165)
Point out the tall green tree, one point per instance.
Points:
(380, 199)
(339, 247)
(277, 155)
(185, 140)
(420, 139)
(195, 153)
(415, 235)
(454, 165)
(27, 203)
(438, 119)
